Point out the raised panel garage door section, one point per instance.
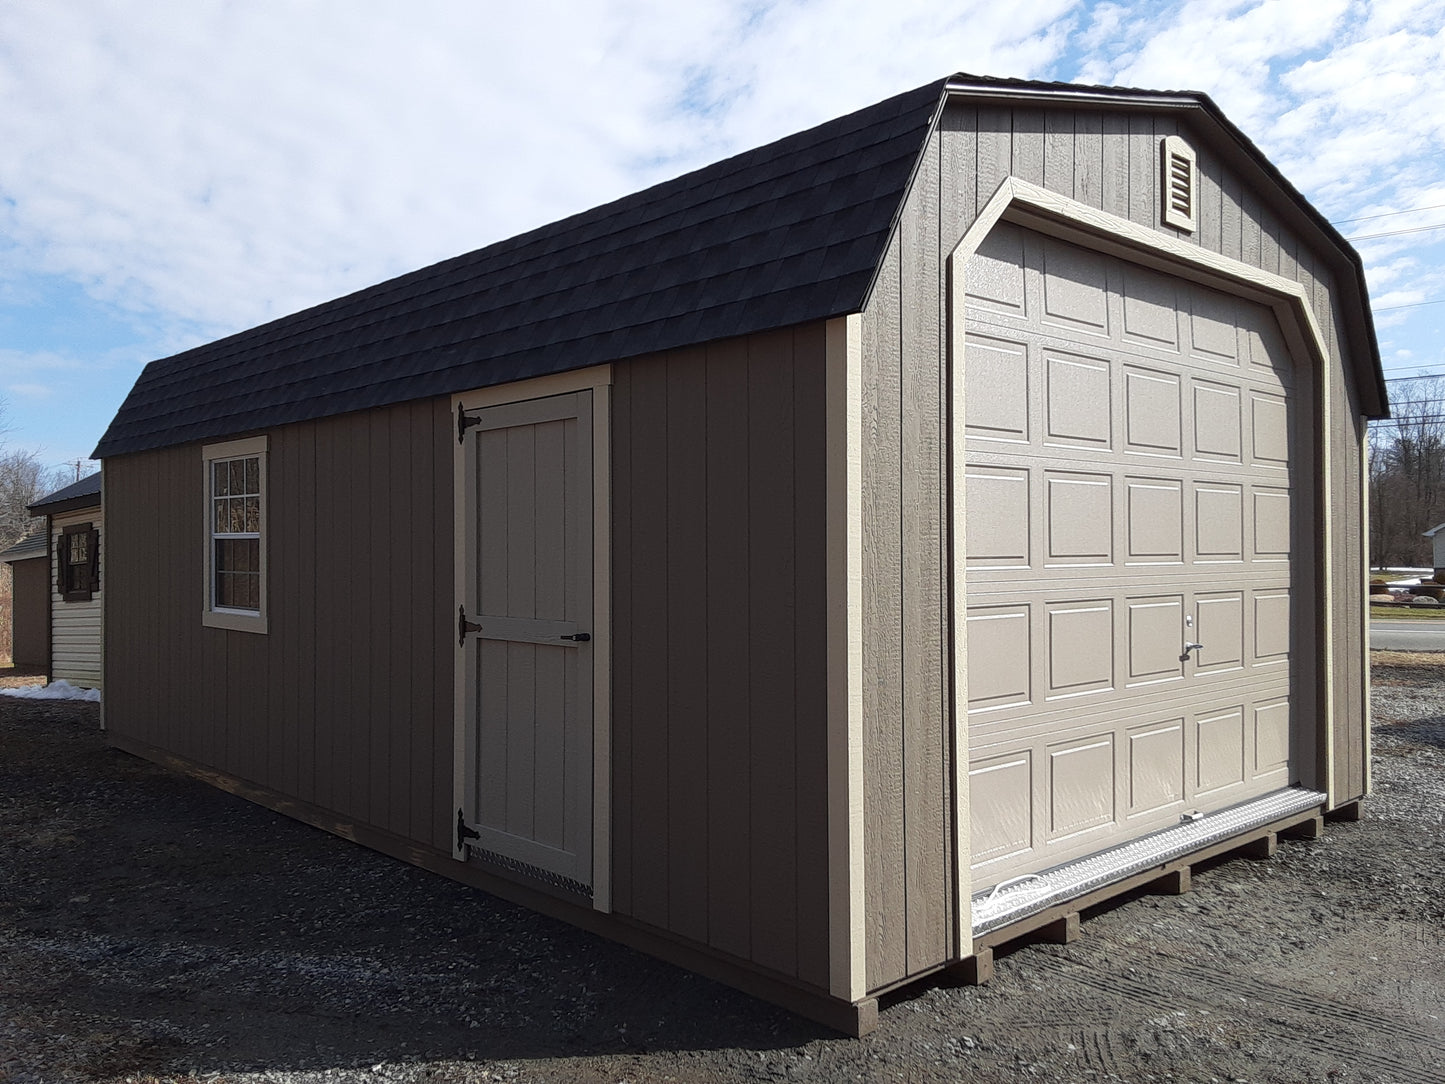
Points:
(1133, 488)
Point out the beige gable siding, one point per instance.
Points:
(1110, 161)
(75, 627)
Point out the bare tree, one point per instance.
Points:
(23, 480)
(1407, 473)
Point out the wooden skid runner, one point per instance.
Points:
(1060, 924)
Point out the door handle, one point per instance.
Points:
(580, 637)
(1189, 646)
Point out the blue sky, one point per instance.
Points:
(175, 170)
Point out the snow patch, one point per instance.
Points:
(56, 690)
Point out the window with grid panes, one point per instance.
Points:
(236, 535)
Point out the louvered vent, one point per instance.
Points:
(1178, 182)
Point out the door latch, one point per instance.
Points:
(464, 626)
(580, 637)
(1190, 645)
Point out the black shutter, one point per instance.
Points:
(62, 563)
(94, 550)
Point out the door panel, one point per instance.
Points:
(529, 588)
(1131, 442)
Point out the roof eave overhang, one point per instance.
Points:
(1295, 210)
(72, 504)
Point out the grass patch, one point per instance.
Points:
(1395, 611)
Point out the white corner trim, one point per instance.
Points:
(847, 905)
(602, 645)
(958, 580)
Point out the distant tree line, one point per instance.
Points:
(1407, 474)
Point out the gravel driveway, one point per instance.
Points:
(153, 929)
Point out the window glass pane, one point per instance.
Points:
(235, 510)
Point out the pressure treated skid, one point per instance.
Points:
(767, 364)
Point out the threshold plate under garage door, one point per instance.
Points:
(1021, 897)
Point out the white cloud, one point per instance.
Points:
(208, 165)
(214, 164)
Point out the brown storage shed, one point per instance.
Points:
(814, 569)
(29, 600)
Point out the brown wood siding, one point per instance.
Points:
(719, 804)
(30, 603)
(1108, 160)
(336, 703)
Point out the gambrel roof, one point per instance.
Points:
(783, 234)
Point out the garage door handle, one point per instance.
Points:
(1189, 646)
(580, 637)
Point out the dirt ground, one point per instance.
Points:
(153, 929)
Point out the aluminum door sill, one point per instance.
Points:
(1018, 898)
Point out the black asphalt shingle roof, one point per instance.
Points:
(89, 486)
(801, 222)
(783, 234)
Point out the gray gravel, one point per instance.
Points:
(153, 929)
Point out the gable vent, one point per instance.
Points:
(1178, 182)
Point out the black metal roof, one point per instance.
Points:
(81, 494)
(789, 232)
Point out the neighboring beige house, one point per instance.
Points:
(74, 516)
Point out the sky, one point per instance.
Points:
(172, 171)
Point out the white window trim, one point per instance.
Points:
(214, 616)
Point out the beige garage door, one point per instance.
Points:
(1134, 485)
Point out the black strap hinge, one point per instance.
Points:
(464, 833)
(464, 626)
(464, 423)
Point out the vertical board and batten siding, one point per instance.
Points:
(337, 704)
(30, 611)
(720, 828)
(75, 627)
(1104, 159)
(907, 739)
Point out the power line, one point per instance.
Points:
(1395, 233)
(1408, 305)
(1388, 214)
(1417, 376)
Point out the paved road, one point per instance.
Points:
(1408, 635)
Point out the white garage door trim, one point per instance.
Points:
(1057, 216)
